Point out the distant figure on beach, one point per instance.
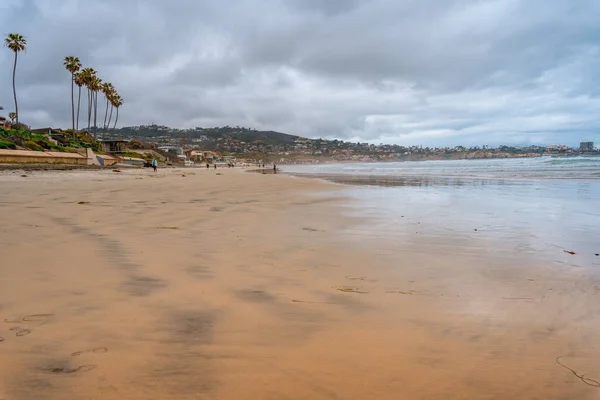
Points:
(207, 166)
(215, 166)
(274, 168)
(154, 164)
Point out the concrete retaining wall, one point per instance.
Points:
(42, 157)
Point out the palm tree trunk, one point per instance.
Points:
(110, 116)
(105, 116)
(89, 112)
(15, 88)
(95, 94)
(116, 119)
(73, 99)
(78, 104)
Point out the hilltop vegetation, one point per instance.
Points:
(270, 145)
(241, 134)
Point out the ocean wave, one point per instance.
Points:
(574, 160)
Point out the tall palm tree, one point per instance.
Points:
(88, 75)
(95, 87)
(107, 89)
(112, 101)
(118, 103)
(72, 64)
(79, 79)
(16, 43)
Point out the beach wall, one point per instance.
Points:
(42, 157)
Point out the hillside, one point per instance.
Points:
(247, 135)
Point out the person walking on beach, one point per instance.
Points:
(154, 164)
(274, 168)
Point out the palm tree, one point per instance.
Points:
(79, 79)
(118, 103)
(16, 43)
(88, 74)
(95, 87)
(72, 64)
(107, 89)
(112, 100)
(12, 116)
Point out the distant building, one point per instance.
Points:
(172, 149)
(113, 146)
(586, 146)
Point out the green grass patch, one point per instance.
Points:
(5, 144)
(31, 145)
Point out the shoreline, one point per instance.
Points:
(189, 282)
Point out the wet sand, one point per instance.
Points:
(136, 285)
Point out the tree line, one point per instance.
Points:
(86, 77)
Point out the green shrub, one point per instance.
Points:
(33, 146)
(42, 141)
(7, 145)
(64, 140)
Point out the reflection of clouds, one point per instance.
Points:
(534, 217)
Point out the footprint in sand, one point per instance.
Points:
(98, 350)
(349, 289)
(81, 368)
(20, 331)
(355, 278)
(37, 317)
(30, 318)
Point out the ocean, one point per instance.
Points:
(545, 207)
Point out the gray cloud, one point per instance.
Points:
(410, 72)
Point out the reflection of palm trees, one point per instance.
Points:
(72, 64)
(16, 43)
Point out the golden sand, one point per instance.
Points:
(137, 285)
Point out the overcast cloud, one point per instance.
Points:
(431, 72)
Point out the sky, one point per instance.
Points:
(409, 72)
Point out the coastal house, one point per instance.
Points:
(171, 149)
(113, 146)
(201, 156)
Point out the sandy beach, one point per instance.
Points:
(196, 284)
